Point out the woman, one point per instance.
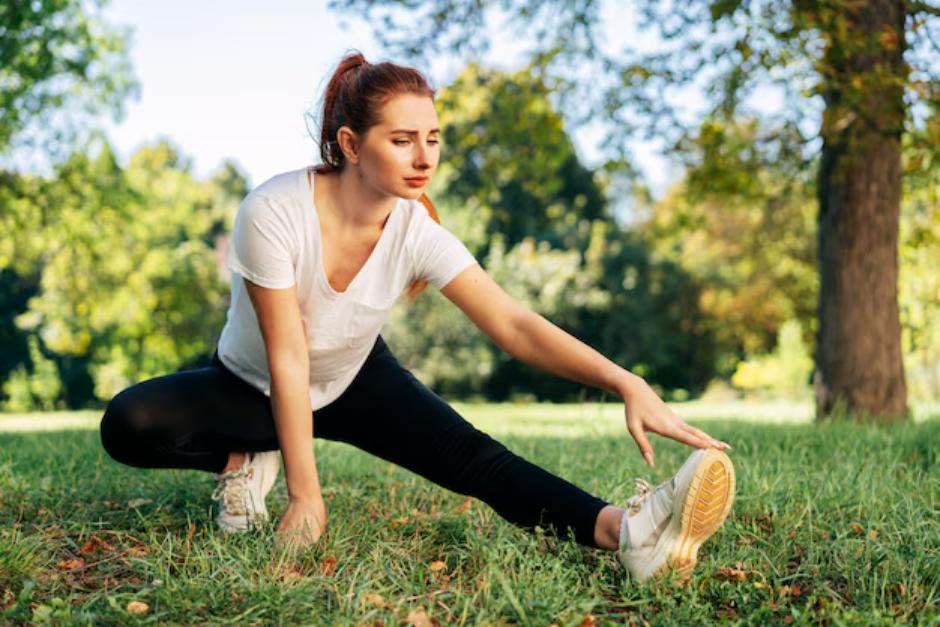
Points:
(319, 256)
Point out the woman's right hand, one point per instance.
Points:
(303, 522)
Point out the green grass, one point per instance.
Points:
(836, 523)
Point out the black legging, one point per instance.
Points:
(194, 418)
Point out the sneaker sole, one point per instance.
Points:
(705, 508)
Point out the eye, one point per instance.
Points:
(433, 141)
(398, 142)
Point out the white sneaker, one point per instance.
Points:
(666, 526)
(241, 492)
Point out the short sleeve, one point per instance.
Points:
(260, 248)
(438, 254)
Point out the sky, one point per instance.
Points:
(234, 80)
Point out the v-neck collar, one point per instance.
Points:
(308, 188)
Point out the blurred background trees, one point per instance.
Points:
(850, 77)
(112, 273)
(121, 272)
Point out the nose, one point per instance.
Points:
(422, 157)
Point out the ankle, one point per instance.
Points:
(235, 460)
(607, 528)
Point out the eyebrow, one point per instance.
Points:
(413, 132)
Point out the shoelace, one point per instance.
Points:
(232, 490)
(643, 490)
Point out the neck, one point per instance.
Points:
(357, 205)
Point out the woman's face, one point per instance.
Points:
(404, 145)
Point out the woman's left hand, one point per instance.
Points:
(645, 411)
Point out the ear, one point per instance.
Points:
(349, 143)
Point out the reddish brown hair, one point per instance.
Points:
(354, 97)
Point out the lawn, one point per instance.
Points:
(836, 523)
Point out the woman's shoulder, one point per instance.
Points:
(416, 212)
(280, 195)
(281, 185)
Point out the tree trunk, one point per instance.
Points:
(859, 370)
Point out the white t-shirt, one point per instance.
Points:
(276, 243)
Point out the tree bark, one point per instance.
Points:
(859, 370)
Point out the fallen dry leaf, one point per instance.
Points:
(399, 521)
(139, 502)
(438, 565)
(95, 544)
(137, 607)
(733, 573)
(137, 550)
(873, 534)
(857, 529)
(795, 589)
(588, 621)
(464, 506)
(375, 599)
(327, 566)
(418, 618)
(291, 575)
(70, 564)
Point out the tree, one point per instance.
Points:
(846, 65)
(510, 163)
(126, 266)
(58, 56)
(746, 231)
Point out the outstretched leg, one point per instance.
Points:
(386, 411)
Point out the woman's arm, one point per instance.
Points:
(285, 343)
(530, 338)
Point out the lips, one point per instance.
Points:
(417, 182)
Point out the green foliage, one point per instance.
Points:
(783, 373)
(919, 250)
(58, 56)
(509, 167)
(747, 232)
(130, 284)
(38, 390)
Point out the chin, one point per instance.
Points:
(413, 193)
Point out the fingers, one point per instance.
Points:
(685, 434)
(297, 538)
(646, 449)
(299, 531)
(704, 440)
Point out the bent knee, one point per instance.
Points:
(123, 424)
